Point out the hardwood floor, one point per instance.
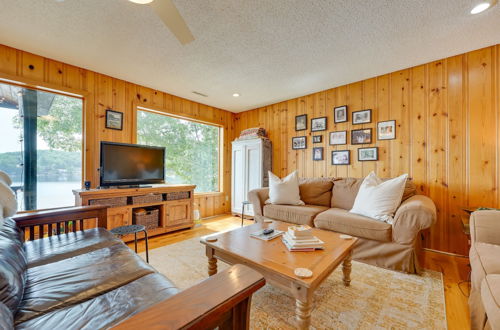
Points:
(455, 269)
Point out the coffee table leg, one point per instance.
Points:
(346, 269)
(303, 305)
(212, 262)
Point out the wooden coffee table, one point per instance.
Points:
(277, 264)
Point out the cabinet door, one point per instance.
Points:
(118, 216)
(238, 178)
(179, 213)
(253, 175)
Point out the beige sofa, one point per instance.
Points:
(328, 201)
(484, 299)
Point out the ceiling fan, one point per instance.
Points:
(169, 14)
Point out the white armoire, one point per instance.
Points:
(251, 161)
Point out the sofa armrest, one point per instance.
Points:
(413, 215)
(59, 217)
(258, 199)
(485, 227)
(223, 298)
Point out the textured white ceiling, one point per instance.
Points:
(266, 50)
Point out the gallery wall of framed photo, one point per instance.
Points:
(359, 137)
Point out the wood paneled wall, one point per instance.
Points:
(101, 92)
(447, 115)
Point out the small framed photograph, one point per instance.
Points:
(361, 136)
(301, 123)
(338, 137)
(299, 142)
(386, 130)
(340, 114)
(318, 153)
(341, 157)
(318, 124)
(114, 119)
(367, 154)
(317, 138)
(362, 117)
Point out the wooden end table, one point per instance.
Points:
(277, 264)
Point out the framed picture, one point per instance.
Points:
(341, 157)
(361, 136)
(362, 117)
(338, 137)
(318, 124)
(114, 119)
(301, 123)
(386, 130)
(318, 153)
(340, 114)
(317, 138)
(299, 142)
(367, 154)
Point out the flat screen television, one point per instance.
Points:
(131, 164)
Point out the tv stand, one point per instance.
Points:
(174, 202)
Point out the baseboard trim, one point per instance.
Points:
(446, 253)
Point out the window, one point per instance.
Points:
(41, 145)
(192, 148)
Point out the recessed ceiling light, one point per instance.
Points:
(141, 2)
(236, 95)
(479, 8)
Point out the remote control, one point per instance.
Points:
(268, 231)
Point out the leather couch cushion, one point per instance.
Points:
(108, 309)
(302, 215)
(74, 280)
(490, 295)
(51, 249)
(6, 318)
(316, 191)
(13, 265)
(345, 190)
(342, 221)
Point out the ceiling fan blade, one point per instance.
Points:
(173, 20)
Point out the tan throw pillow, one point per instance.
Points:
(344, 192)
(284, 191)
(316, 191)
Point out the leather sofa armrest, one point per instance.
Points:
(485, 227)
(258, 199)
(413, 215)
(223, 298)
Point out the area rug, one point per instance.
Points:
(376, 299)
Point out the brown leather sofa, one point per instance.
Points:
(328, 201)
(484, 255)
(89, 279)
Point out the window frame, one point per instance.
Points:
(164, 112)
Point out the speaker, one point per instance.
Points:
(87, 185)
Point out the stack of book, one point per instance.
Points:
(300, 238)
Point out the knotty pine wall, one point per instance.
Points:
(101, 92)
(447, 116)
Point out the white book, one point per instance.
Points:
(303, 243)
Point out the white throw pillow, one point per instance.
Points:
(379, 199)
(284, 191)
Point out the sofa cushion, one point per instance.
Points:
(316, 191)
(6, 318)
(58, 247)
(345, 190)
(484, 261)
(107, 309)
(342, 221)
(302, 215)
(13, 265)
(490, 294)
(73, 280)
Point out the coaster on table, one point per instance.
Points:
(303, 272)
(211, 239)
(346, 236)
